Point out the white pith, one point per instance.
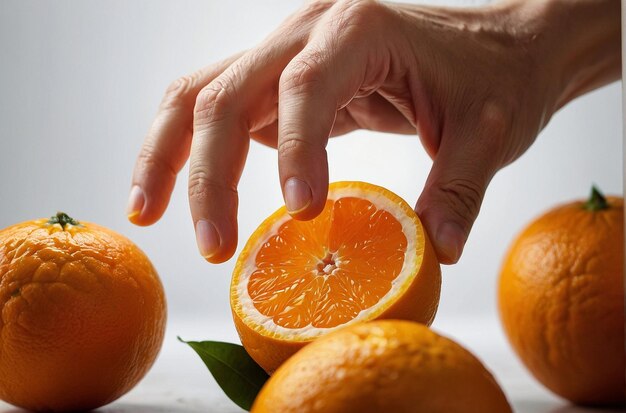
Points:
(265, 325)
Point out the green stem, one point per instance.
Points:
(62, 219)
(596, 201)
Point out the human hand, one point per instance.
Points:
(477, 85)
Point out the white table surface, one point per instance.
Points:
(180, 383)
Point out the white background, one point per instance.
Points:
(79, 85)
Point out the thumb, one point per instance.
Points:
(453, 193)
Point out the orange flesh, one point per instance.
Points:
(324, 272)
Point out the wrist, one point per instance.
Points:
(577, 43)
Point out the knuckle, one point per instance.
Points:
(495, 122)
(289, 146)
(151, 159)
(302, 73)
(495, 118)
(179, 93)
(464, 197)
(299, 25)
(202, 185)
(216, 100)
(359, 14)
(292, 146)
(312, 10)
(362, 9)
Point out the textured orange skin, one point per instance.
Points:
(82, 316)
(418, 303)
(382, 366)
(561, 298)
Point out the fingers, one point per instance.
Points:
(225, 111)
(166, 147)
(308, 103)
(218, 151)
(372, 112)
(323, 78)
(241, 99)
(462, 169)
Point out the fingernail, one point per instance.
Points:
(207, 238)
(449, 240)
(136, 200)
(297, 195)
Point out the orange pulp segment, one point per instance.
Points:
(326, 271)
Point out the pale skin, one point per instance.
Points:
(476, 85)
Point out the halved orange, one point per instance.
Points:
(366, 256)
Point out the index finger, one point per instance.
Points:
(166, 146)
(322, 79)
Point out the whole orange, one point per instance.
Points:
(382, 366)
(561, 298)
(82, 315)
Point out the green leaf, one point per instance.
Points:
(233, 369)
